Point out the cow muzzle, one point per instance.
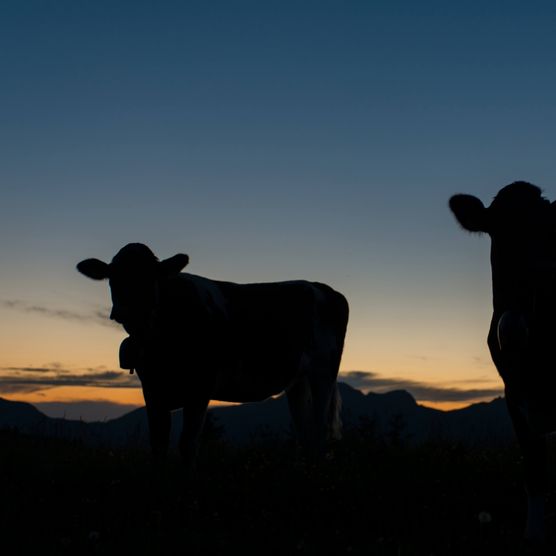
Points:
(513, 332)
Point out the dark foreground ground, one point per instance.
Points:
(372, 497)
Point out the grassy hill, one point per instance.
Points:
(374, 495)
(405, 480)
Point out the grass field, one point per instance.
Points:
(370, 497)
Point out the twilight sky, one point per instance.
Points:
(269, 141)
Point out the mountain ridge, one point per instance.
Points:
(394, 412)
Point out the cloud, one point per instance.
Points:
(44, 377)
(97, 316)
(34, 379)
(421, 391)
(57, 368)
(27, 369)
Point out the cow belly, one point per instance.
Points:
(243, 384)
(163, 390)
(252, 384)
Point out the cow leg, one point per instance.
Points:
(194, 413)
(300, 404)
(159, 430)
(335, 419)
(533, 449)
(322, 389)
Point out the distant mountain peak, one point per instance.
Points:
(398, 397)
(19, 414)
(240, 423)
(12, 405)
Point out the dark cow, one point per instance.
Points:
(522, 337)
(193, 340)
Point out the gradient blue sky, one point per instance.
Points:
(269, 141)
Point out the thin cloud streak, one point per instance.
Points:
(96, 316)
(13, 379)
(31, 370)
(422, 391)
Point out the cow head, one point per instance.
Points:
(522, 227)
(134, 276)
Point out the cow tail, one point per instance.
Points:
(339, 317)
(336, 405)
(335, 414)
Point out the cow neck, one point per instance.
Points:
(528, 289)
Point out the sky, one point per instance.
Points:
(269, 141)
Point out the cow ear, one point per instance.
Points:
(173, 265)
(469, 212)
(93, 268)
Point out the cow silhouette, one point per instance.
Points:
(522, 338)
(192, 340)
